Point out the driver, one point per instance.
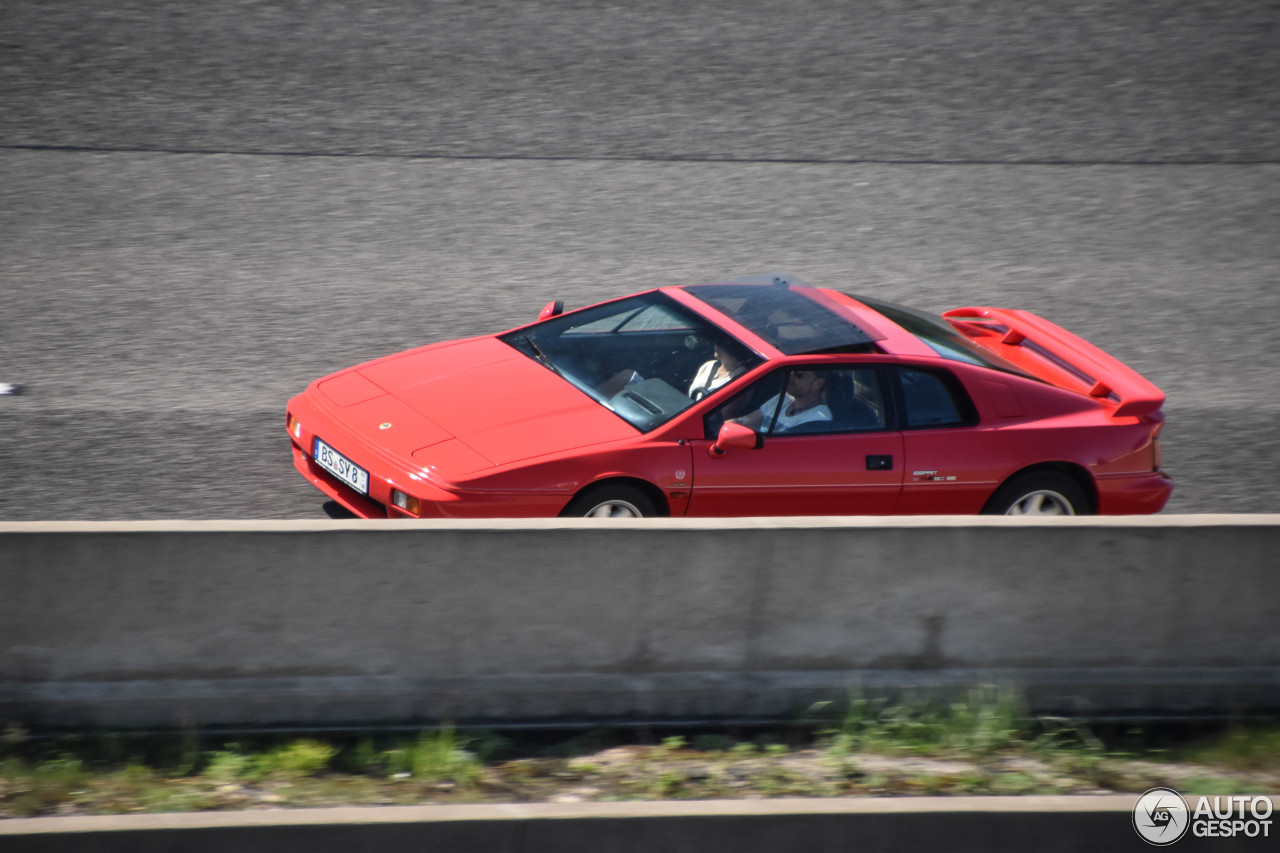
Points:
(803, 403)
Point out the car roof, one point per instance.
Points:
(793, 317)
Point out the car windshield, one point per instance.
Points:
(645, 358)
(939, 336)
(786, 318)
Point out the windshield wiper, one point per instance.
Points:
(542, 356)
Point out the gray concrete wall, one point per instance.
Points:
(249, 623)
(895, 825)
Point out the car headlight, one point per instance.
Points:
(295, 427)
(408, 503)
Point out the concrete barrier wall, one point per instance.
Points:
(254, 623)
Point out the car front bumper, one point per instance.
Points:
(384, 473)
(387, 473)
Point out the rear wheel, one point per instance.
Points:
(617, 500)
(1039, 493)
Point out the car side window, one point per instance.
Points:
(807, 401)
(856, 401)
(746, 402)
(934, 399)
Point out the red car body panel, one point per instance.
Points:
(797, 477)
(479, 428)
(1043, 349)
(540, 413)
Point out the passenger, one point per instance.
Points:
(721, 370)
(803, 403)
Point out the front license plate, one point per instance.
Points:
(341, 467)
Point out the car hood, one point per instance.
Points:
(498, 402)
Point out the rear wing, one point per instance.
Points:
(1057, 356)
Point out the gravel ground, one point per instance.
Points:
(671, 770)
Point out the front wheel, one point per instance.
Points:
(1039, 493)
(611, 501)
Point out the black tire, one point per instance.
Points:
(611, 500)
(1039, 493)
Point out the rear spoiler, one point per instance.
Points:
(1057, 356)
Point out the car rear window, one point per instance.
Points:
(939, 336)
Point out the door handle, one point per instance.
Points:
(879, 463)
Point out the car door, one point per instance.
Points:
(838, 457)
(949, 459)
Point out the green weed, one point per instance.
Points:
(295, 760)
(983, 743)
(438, 757)
(672, 744)
(41, 789)
(1208, 786)
(1240, 748)
(228, 766)
(988, 721)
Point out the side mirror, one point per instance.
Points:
(736, 435)
(554, 308)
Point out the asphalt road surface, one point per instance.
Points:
(204, 206)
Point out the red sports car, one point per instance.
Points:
(761, 396)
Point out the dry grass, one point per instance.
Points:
(984, 746)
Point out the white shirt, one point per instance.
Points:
(710, 378)
(785, 422)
